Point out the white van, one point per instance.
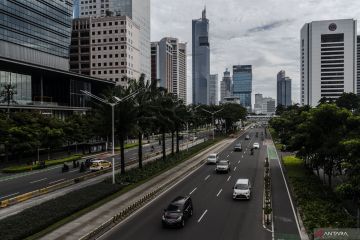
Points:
(242, 189)
(213, 158)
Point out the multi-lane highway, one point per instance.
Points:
(14, 185)
(216, 214)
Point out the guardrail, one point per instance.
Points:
(26, 196)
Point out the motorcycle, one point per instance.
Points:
(65, 168)
(252, 151)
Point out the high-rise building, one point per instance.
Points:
(168, 65)
(226, 86)
(258, 103)
(268, 106)
(242, 84)
(137, 10)
(36, 32)
(106, 47)
(200, 59)
(328, 60)
(213, 89)
(358, 66)
(283, 89)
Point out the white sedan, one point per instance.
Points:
(256, 145)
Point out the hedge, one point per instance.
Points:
(25, 168)
(37, 218)
(318, 204)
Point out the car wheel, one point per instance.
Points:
(183, 222)
(191, 212)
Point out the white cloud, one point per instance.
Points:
(264, 33)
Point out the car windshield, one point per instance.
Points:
(238, 145)
(211, 156)
(223, 163)
(173, 208)
(241, 186)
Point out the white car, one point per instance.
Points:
(256, 145)
(223, 166)
(213, 158)
(242, 189)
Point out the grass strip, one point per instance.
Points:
(318, 205)
(39, 220)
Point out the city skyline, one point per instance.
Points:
(268, 41)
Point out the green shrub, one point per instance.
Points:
(319, 205)
(37, 218)
(25, 168)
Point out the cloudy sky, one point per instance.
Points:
(263, 33)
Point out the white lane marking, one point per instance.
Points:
(207, 177)
(202, 215)
(60, 180)
(38, 180)
(234, 168)
(217, 195)
(242, 156)
(238, 161)
(9, 195)
(193, 191)
(228, 156)
(76, 170)
(228, 178)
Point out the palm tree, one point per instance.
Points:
(7, 93)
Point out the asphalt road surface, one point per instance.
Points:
(216, 214)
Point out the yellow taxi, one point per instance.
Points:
(97, 165)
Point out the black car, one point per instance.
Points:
(178, 211)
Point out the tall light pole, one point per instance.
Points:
(187, 127)
(112, 104)
(213, 120)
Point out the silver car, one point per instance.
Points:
(223, 166)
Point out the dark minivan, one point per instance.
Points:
(178, 211)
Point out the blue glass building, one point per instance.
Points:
(200, 59)
(242, 84)
(37, 32)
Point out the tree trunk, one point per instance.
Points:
(68, 148)
(140, 152)
(172, 142)
(122, 154)
(163, 144)
(177, 141)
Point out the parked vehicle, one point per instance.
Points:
(213, 158)
(242, 189)
(177, 212)
(223, 166)
(97, 165)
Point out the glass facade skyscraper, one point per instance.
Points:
(200, 59)
(283, 89)
(242, 84)
(36, 31)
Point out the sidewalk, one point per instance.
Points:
(90, 221)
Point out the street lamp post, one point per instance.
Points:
(213, 119)
(117, 101)
(187, 128)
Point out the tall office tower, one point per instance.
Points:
(200, 59)
(242, 84)
(283, 89)
(358, 66)
(36, 32)
(168, 65)
(213, 89)
(226, 85)
(258, 103)
(137, 10)
(328, 59)
(268, 106)
(106, 47)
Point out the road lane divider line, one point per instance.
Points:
(234, 168)
(193, 191)
(228, 178)
(228, 156)
(9, 195)
(40, 180)
(239, 162)
(60, 180)
(207, 177)
(76, 170)
(201, 217)
(217, 195)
